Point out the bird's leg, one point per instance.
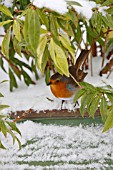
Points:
(76, 103)
(62, 103)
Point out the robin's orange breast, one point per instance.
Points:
(60, 91)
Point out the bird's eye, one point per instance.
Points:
(57, 81)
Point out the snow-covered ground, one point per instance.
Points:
(59, 147)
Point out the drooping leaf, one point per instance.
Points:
(1, 145)
(53, 56)
(110, 10)
(54, 29)
(3, 127)
(40, 50)
(47, 76)
(5, 42)
(109, 122)
(16, 29)
(13, 82)
(43, 18)
(5, 22)
(94, 105)
(44, 59)
(73, 3)
(5, 10)
(33, 29)
(3, 106)
(14, 127)
(83, 104)
(16, 46)
(1, 95)
(19, 143)
(103, 108)
(108, 20)
(107, 3)
(110, 97)
(66, 43)
(88, 86)
(79, 94)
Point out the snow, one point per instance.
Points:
(8, 3)
(58, 6)
(69, 147)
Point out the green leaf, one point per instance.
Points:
(83, 104)
(47, 76)
(53, 56)
(1, 95)
(5, 22)
(27, 78)
(5, 42)
(3, 81)
(40, 50)
(25, 31)
(44, 59)
(14, 127)
(33, 29)
(23, 13)
(3, 127)
(107, 3)
(13, 82)
(5, 10)
(16, 29)
(12, 134)
(66, 43)
(19, 143)
(79, 94)
(1, 145)
(103, 108)
(43, 18)
(108, 20)
(73, 3)
(88, 86)
(94, 105)
(110, 10)
(109, 121)
(16, 46)
(110, 97)
(61, 59)
(3, 106)
(54, 29)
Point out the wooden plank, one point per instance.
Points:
(32, 114)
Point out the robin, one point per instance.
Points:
(65, 87)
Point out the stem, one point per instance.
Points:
(75, 80)
(23, 115)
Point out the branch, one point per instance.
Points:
(27, 112)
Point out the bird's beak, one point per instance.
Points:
(49, 83)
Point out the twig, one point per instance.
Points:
(23, 115)
(75, 80)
